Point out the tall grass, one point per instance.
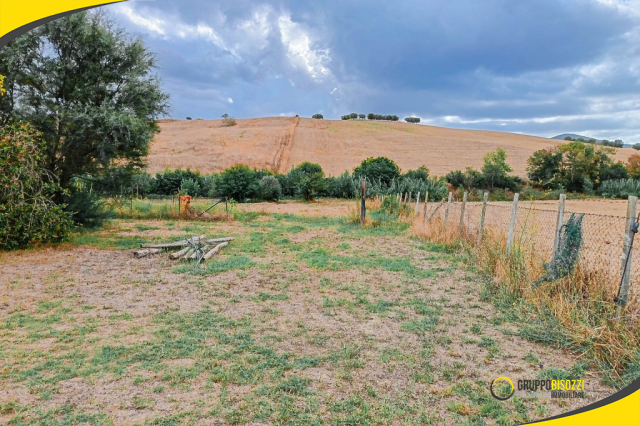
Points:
(168, 209)
(577, 312)
(620, 188)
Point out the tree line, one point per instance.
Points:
(305, 181)
(575, 167)
(614, 144)
(370, 116)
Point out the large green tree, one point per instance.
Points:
(89, 89)
(377, 169)
(574, 166)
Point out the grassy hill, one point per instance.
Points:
(282, 142)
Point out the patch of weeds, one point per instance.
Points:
(459, 408)
(378, 307)
(263, 296)
(145, 227)
(319, 339)
(453, 371)
(444, 340)
(216, 266)
(108, 241)
(486, 342)
(476, 329)
(532, 358)
(576, 372)
(294, 385)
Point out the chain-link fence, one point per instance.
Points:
(535, 229)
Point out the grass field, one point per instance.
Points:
(304, 319)
(277, 143)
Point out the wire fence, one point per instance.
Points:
(603, 236)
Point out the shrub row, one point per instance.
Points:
(306, 181)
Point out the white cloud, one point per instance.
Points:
(618, 115)
(230, 100)
(153, 25)
(299, 51)
(333, 91)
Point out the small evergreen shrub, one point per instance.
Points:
(270, 188)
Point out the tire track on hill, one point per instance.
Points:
(285, 145)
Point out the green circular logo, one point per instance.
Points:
(502, 388)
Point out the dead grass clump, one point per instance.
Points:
(438, 232)
(577, 311)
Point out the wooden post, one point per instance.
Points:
(363, 207)
(409, 201)
(482, 214)
(426, 200)
(415, 212)
(559, 224)
(464, 204)
(446, 212)
(512, 224)
(625, 269)
(433, 213)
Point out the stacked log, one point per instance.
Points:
(197, 247)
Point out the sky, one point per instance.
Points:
(542, 67)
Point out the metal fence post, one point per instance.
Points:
(559, 224)
(464, 204)
(415, 212)
(625, 267)
(512, 224)
(446, 212)
(482, 215)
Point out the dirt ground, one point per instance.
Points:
(302, 319)
(334, 144)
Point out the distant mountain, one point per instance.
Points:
(574, 136)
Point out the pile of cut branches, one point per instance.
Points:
(195, 248)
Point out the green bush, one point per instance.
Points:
(270, 188)
(238, 183)
(317, 116)
(379, 169)
(169, 182)
(421, 172)
(342, 186)
(308, 180)
(143, 184)
(85, 207)
(190, 187)
(27, 212)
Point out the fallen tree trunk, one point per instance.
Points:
(219, 240)
(180, 253)
(191, 250)
(144, 253)
(180, 243)
(215, 250)
(194, 255)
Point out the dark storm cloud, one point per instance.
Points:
(540, 67)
